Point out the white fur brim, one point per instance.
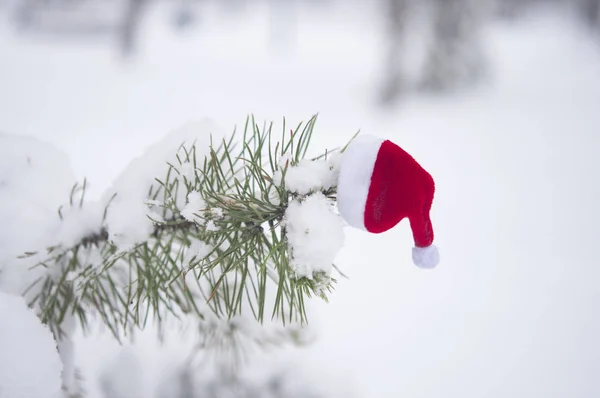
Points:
(356, 170)
(426, 257)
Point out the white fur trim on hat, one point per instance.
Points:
(356, 170)
(426, 257)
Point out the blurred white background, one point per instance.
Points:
(499, 100)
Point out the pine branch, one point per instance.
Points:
(226, 252)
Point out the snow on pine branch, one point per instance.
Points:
(309, 175)
(30, 365)
(315, 235)
(238, 225)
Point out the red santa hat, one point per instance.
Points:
(379, 185)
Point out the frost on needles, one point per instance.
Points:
(244, 224)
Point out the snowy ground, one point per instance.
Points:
(512, 308)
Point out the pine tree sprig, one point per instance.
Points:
(226, 257)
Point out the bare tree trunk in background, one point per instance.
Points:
(185, 14)
(590, 10)
(510, 9)
(131, 22)
(393, 81)
(24, 12)
(455, 58)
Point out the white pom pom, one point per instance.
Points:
(426, 257)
